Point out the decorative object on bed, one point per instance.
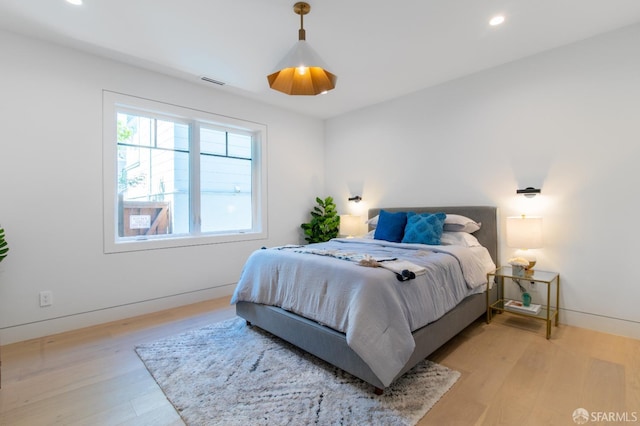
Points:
(4, 246)
(325, 222)
(524, 233)
(363, 319)
(390, 226)
(231, 374)
(452, 223)
(424, 228)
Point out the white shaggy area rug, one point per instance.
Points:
(232, 374)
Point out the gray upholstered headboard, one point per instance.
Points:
(487, 234)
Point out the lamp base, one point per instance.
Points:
(528, 270)
(526, 254)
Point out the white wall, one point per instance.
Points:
(51, 192)
(567, 121)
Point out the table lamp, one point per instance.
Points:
(350, 225)
(524, 233)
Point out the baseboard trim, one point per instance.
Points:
(19, 333)
(36, 329)
(601, 323)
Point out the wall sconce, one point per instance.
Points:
(523, 233)
(529, 191)
(357, 198)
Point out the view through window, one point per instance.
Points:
(183, 175)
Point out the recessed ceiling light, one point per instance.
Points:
(496, 20)
(75, 2)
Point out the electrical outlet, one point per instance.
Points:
(46, 298)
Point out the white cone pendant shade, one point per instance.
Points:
(302, 71)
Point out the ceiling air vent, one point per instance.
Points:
(211, 80)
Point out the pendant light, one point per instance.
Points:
(302, 72)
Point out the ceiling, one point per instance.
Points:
(379, 49)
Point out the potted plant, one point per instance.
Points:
(325, 222)
(4, 247)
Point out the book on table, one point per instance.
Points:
(517, 306)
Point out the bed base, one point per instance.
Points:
(331, 346)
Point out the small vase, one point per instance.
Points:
(526, 299)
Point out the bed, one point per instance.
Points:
(336, 338)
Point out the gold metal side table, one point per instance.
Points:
(549, 311)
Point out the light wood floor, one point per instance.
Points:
(511, 375)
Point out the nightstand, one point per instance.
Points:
(548, 311)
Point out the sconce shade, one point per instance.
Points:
(302, 71)
(350, 225)
(524, 232)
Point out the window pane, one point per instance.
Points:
(239, 145)
(153, 183)
(135, 130)
(225, 194)
(172, 135)
(213, 141)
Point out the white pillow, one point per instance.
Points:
(459, 223)
(373, 222)
(463, 239)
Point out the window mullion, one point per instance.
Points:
(194, 178)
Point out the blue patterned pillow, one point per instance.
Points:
(424, 228)
(390, 226)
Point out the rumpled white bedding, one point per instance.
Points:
(376, 312)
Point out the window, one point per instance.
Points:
(175, 176)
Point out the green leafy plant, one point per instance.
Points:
(4, 247)
(325, 222)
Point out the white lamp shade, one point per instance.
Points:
(301, 54)
(524, 232)
(350, 225)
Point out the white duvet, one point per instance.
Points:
(376, 312)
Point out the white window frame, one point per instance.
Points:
(113, 101)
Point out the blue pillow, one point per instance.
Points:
(424, 228)
(390, 226)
